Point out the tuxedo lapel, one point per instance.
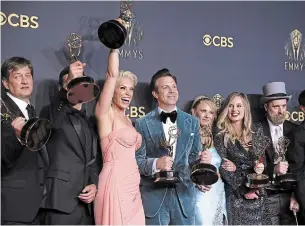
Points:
(155, 128)
(12, 106)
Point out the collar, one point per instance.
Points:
(272, 126)
(20, 103)
(160, 110)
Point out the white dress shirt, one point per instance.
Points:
(166, 126)
(276, 133)
(21, 105)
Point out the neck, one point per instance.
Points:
(121, 111)
(237, 126)
(78, 106)
(25, 99)
(167, 107)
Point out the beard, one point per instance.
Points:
(277, 119)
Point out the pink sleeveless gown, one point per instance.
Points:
(118, 201)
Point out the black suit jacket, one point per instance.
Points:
(270, 152)
(72, 164)
(22, 173)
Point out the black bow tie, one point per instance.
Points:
(172, 116)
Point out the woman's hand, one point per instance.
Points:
(228, 165)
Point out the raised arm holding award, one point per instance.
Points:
(81, 89)
(114, 32)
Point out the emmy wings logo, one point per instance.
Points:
(134, 37)
(295, 51)
(19, 20)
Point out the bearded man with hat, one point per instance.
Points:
(279, 201)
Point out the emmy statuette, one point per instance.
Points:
(204, 173)
(169, 177)
(34, 134)
(81, 89)
(114, 32)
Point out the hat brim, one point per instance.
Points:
(267, 99)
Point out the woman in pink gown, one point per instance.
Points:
(118, 201)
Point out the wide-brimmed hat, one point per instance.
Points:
(274, 91)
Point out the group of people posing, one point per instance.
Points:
(63, 184)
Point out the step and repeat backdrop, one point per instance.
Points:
(214, 48)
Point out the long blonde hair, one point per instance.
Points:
(225, 126)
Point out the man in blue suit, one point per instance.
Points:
(167, 203)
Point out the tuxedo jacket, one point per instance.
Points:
(72, 158)
(187, 151)
(22, 173)
(270, 152)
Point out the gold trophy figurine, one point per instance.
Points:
(169, 177)
(81, 89)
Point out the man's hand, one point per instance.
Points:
(164, 163)
(281, 168)
(88, 193)
(76, 70)
(17, 125)
(294, 205)
(205, 157)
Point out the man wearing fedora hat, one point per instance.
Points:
(279, 201)
(296, 158)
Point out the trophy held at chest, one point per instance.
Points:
(34, 134)
(258, 179)
(205, 173)
(81, 89)
(114, 32)
(169, 177)
(288, 180)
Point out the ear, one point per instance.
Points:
(302, 108)
(155, 94)
(266, 107)
(5, 83)
(193, 111)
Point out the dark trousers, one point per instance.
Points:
(79, 216)
(37, 220)
(170, 212)
(277, 208)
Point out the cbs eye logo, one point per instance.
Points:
(16, 20)
(218, 41)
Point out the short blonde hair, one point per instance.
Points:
(209, 101)
(130, 75)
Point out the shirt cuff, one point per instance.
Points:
(154, 167)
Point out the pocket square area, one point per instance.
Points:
(192, 134)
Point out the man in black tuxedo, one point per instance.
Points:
(72, 175)
(279, 201)
(22, 170)
(296, 159)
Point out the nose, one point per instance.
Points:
(24, 80)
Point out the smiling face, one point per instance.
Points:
(236, 109)
(206, 112)
(276, 111)
(123, 93)
(20, 83)
(166, 92)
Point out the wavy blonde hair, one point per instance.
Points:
(224, 125)
(130, 75)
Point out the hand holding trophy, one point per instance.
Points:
(34, 134)
(258, 179)
(81, 88)
(114, 32)
(284, 181)
(169, 176)
(205, 173)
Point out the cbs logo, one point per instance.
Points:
(135, 112)
(16, 20)
(218, 41)
(295, 116)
